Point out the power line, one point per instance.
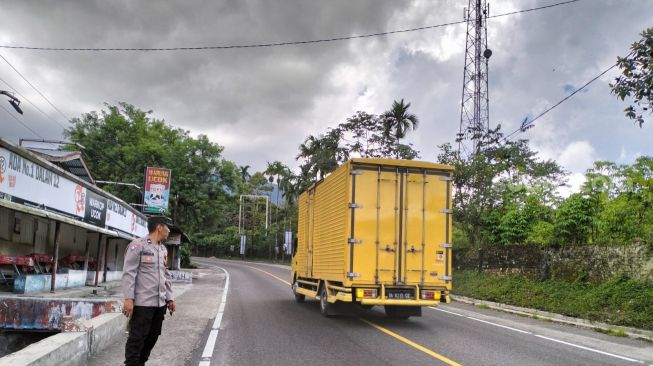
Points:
(34, 105)
(288, 43)
(526, 124)
(33, 87)
(19, 121)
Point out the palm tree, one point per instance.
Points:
(280, 171)
(277, 169)
(244, 174)
(397, 121)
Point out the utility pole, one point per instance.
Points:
(475, 103)
(241, 221)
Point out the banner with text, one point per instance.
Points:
(157, 190)
(33, 184)
(119, 217)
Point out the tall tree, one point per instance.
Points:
(244, 173)
(636, 79)
(573, 222)
(397, 121)
(276, 169)
(482, 182)
(366, 137)
(122, 140)
(324, 153)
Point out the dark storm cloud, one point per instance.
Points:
(261, 103)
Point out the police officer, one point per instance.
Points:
(147, 289)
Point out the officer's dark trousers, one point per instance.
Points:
(144, 330)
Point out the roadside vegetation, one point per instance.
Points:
(506, 195)
(620, 301)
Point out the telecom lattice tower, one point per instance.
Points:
(475, 105)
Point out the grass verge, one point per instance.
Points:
(612, 332)
(620, 301)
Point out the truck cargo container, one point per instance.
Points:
(376, 232)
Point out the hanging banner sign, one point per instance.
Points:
(243, 242)
(287, 244)
(95, 210)
(122, 218)
(157, 190)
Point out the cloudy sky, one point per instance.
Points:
(260, 103)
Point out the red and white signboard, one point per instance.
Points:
(27, 182)
(157, 189)
(121, 218)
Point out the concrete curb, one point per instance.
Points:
(557, 318)
(71, 348)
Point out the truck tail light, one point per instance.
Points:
(428, 295)
(365, 293)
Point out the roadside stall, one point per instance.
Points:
(58, 230)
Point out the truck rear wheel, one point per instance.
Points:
(298, 297)
(326, 308)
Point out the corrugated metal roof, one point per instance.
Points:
(54, 153)
(70, 161)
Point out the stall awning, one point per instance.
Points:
(61, 218)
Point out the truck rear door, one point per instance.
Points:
(374, 239)
(425, 250)
(399, 226)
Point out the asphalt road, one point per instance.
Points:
(263, 325)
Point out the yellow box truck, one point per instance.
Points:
(376, 232)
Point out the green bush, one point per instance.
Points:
(185, 257)
(619, 301)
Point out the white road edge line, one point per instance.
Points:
(483, 321)
(543, 337)
(590, 349)
(213, 336)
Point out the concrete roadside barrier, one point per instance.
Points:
(71, 348)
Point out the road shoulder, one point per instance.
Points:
(182, 332)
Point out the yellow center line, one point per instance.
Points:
(270, 274)
(386, 331)
(412, 344)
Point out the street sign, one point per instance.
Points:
(288, 242)
(243, 242)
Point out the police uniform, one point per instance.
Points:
(145, 279)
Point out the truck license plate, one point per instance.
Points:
(400, 294)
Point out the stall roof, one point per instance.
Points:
(67, 220)
(70, 161)
(177, 230)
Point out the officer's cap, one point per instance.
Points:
(160, 220)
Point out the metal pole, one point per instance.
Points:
(240, 214)
(97, 259)
(86, 254)
(105, 261)
(55, 265)
(267, 216)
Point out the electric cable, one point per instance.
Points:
(34, 105)
(21, 122)
(276, 44)
(33, 87)
(528, 124)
